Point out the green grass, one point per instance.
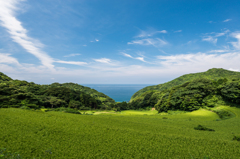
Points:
(121, 135)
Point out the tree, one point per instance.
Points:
(74, 104)
(54, 101)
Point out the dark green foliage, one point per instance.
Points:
(223, 114)
(4, 77)
(212, 74)
(16, 93)
(194, 94)
(237, 138)
(72, 111)
(200, 127)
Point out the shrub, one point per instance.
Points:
(200, 127)
(72, 111)
(236, 137)
(223, 114)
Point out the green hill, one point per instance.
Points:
(191, 92)
(213, 74)
(17, 93)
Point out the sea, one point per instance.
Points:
(118, 92)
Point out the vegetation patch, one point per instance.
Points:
(236, 137)
(200, 127)
(223, 113)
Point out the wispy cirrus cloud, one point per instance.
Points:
(213, 37)
(210, 39)
(149, 33)
(19, 33)
(227, 20)
(141, 58)
(157, 42)
(71, 62)
(103, 60)
(71, 55)
(127, 55)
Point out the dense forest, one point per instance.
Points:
(191, 92)
(17, 93)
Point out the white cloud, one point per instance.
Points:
(19, 33)
(72, 62)
(201, 60)
(222, 34)
(237, 36)
(227, 20)
(149, 33)
(149, 41)
(140, 58)
(210, 39)
(7, 59)
(71, 55)
(84, 45)
(103, 60)
(137, 58)
(163, 31)
(96, 40)
(177, 31)
(127, 55)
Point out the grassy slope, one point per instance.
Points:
(212, 74)
(118, 136)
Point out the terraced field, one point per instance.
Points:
(129, 134)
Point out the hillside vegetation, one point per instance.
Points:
(212, 74)
(191, 92)
(17, 93)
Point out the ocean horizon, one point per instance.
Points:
(118, 92)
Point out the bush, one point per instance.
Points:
(223, 114)
(200, 127)
(237, 138)
(33, 106)
(72, 111)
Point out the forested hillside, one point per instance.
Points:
(17, 93)
(212, 74)
(191, 92)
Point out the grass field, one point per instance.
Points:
(129, 134)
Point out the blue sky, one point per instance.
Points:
(117, 42)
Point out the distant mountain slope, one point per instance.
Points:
(17, 93)
(213, 74)
(92, 92)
